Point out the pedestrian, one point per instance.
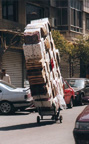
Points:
(5, 77)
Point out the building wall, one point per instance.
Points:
(11, 25)
(22, 12)
(50, 8)
(86, 6)
(12, 61)
(0, 10)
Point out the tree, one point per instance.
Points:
(79, 49)
(64, 46)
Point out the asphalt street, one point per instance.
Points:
(22, 128)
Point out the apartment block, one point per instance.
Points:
(70, 17)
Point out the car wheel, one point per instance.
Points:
(5, 107)
(70, 105)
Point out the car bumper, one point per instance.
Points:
(81, 136)
(85, 101)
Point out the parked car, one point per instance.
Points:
(81, 130)
(85, 100)
(68, 94)
(81, 88)
(12, 98)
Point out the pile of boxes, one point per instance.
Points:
(43, 64)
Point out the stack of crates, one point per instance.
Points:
(43, 64)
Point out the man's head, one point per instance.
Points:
(3, 71)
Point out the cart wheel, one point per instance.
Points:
(60, 118)
(57, 114)
(38, 119)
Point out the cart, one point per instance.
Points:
(47, 111)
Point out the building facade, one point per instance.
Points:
(74, 22)
(70, 17)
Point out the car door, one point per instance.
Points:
(0, 94)
(87, 88)
(67, 93)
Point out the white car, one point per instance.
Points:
(12, 98)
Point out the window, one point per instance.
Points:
(65, 85)
(63, 19)
(73, 17)
(76, 4)
(79, 19)
(38, 12)
(72, 3)
(60, 16)
(87, 83)
(62, 3)
(10, 10)
(86, 3)
(64, 16)
(76, 83)
(87, 23)
(76, 18)
(76, 15)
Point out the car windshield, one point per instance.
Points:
(11, 87)
(76, 83)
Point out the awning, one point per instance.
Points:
(12, 32)
(11, 39)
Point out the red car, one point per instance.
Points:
(68, 94)
(81, 130)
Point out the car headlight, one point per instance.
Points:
(82, 125)
(77, 125)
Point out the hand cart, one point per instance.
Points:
(47, 111)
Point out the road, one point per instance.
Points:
(22, 128)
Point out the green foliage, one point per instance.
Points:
(62, 44)
(81, 49)
(77, 50)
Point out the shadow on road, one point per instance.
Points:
(16, 114)
(26, 126)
